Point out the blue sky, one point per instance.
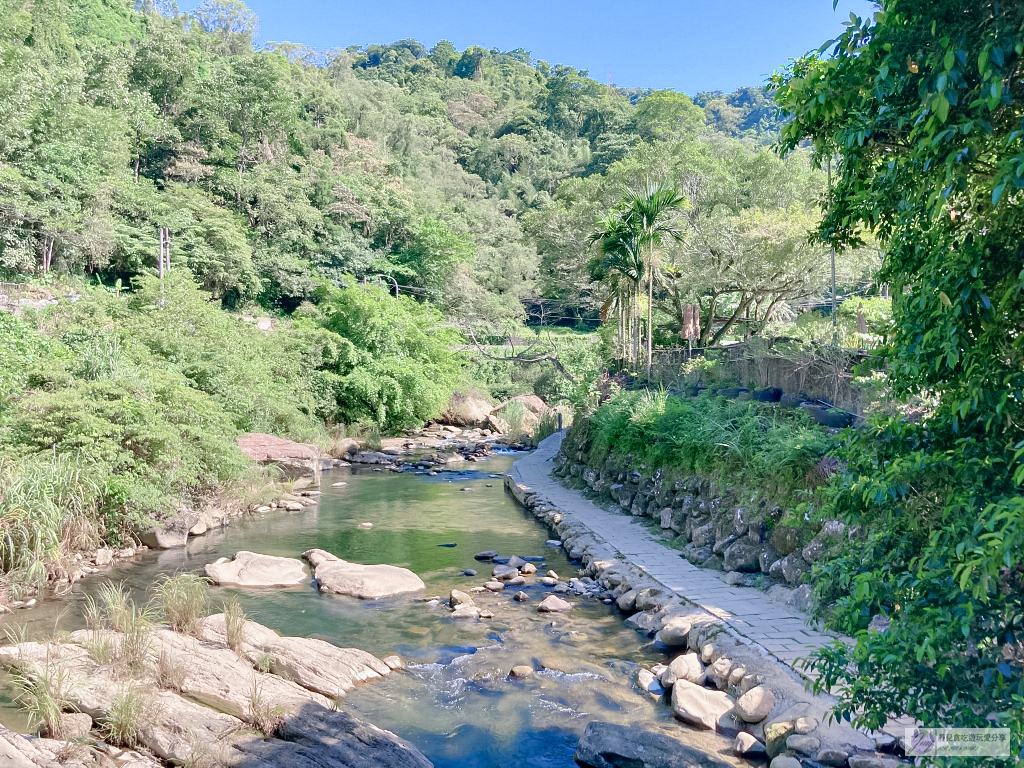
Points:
(688, 45)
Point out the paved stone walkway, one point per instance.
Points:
(777, 630)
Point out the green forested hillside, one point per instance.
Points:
(275, 168)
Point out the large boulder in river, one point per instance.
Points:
(468, 410)
(699, 707)
(250, 569)
(297, 459)
(367, 582)
(606, 745)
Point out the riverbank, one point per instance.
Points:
(693, 609)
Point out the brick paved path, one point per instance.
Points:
(779, 631)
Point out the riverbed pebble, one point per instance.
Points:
(469, 572)
(548, 581)
(520, 597)
(552, 575)
(489, 554)
(394, 662)
(521, 671)
(494, 586)
(366, 526)
(553, 543)
(554, 604)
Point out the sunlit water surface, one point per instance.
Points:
(455, 702)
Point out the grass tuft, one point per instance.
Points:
(184, 601)
(128, 713)
(234, 624)
(263, 715)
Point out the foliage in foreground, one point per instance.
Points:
(921, 106)
(118, 408)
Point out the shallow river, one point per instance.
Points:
(455, 702)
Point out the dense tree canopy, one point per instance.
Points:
(919, 108)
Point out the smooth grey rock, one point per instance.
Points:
(458, 597)
(554, 604)
(504, 572)
(675, 631)
(605, 745)
(648, 682)
(699, 707)
(367, 582)
(833, 757)
(785, 761)
(250, 569)
(748, 746)
(806, 745)
(755, 705)
(686, 667)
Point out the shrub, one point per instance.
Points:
(43, 692)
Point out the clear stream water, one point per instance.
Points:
(455, 702)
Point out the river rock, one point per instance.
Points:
(104, 556)
(528, 568)
(747, 746)
(686, 667)
(605, 745)
(804, 725)
(394, 662)
(469, 572)
(504, 572)
(627, 601)
(675, 631)
(807, 745)
(755, 705)
(494, 586)
(649, 682)
(466, 612)
(548, 581)
(718, 673)
(698, 706)
(367, 582)
(490, 554)
(516, 562)
(831, 756)
(521, 597)
(521, 671)
(516, 581)
(785, 761)
(250, 569)
(554, 604)
(365, 526)
(458, 597)
(468, 410)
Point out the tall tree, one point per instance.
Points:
(649, 212)
(919, 106)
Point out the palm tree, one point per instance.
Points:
(647, 212)
(621, 259)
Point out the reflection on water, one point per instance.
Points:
(455, 702)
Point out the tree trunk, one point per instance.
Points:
(743, 305)
(650, 312)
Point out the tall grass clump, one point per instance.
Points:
(120, 635)
(43, 693)
(47, 509)
(758, 444)
(515, 415)
(184, 600)
(129, 711)
(234, 624)
(546, 426)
